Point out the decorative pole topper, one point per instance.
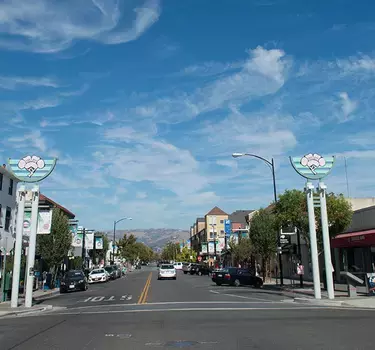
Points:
(313, 166)
(31, 168)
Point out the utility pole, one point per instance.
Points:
(84, 248)
(299, 252)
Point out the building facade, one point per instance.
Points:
(8, 208)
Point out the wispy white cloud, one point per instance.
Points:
(262, 74)
(48, 26)
(141, 195)
(34, 139)
(348, 106)
(11, 82)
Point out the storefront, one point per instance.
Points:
(354, 252)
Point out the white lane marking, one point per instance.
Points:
(243, 297)
(97, 299)
(112, 298)
(203, 309)
(86, 300)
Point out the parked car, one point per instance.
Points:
(98, 275)
(236, 277)
(167, 271)
(111, 271)
(117, 270)
(72, 281)
(186, 267)
(201, 269)
(193, 268)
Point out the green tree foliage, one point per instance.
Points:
(55, 247)
(185, 254)
(291, 209)
(170, 251)
(241, 253)
(263, 236)
(145, 253)
(132, 250)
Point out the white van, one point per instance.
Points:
(178, 265)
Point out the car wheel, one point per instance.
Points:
(62, 291)
(174, 278)
(258, 284)
(218, 283)
(237, 282)
(185, 272)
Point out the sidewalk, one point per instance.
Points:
(38, 295)
(292, 289)
(6, 310)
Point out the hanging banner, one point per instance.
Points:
(204, 248)
(98, 243)
(44, 222)
(188, 244)
(211, 247)
(89, 240)
(221, 245)
(77, 236)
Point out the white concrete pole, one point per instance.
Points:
(313, 240)
(32, 247)
(18, 245)
(326, 240)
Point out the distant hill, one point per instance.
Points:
(154, 237)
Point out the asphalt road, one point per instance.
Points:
(189, 313)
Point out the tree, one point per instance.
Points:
(291, 210)
(241, 252)
(185, 254)
(55, 246)
(170, 251)
(263, 236)
(145, 253)
(127, 247)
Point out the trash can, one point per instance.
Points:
(7, 287)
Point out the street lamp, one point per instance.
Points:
(272, 165)
(114, 236)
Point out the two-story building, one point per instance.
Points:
(214, 221)
(8, 207)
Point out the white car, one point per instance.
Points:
(98, 275)
(167, 271)
(178, 265)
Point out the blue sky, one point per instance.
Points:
(144, 102)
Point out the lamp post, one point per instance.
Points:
(272, 165)
(114, 236)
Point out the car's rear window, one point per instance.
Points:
(167, 267)
(96, 272)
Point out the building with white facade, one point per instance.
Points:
(8, 190)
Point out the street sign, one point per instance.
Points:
(227, 227)
(285, 239)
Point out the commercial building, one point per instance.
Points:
(8, 207)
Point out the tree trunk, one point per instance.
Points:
(264, 269)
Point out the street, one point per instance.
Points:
(140, 312)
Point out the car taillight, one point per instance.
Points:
(227, 276)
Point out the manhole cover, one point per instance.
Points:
(181, 344)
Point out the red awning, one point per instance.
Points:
(354, 239)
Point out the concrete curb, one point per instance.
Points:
(26, 311)
(322, 302)
(47, 295)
